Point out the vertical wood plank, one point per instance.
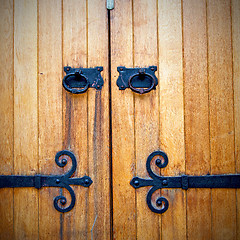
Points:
(236, 81)
(146, 111)
(221, 116)
(25, 116)
(6, 115)
(98, 122)
(75, 114)
(172, 112)
(196, 116)
(123, 155)
(50, 110)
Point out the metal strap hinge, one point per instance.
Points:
(63, 181)
(157, 182)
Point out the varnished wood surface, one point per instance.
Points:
(123, 134)
(39, 118)
(50, 110)
(146, 109)
(235, 13)
(25, 116)
(75, 110)
(171, 109)
(196, 120)
(196, 116)
(98, 122)
(193, 115)
(6, 115)
(221, 115)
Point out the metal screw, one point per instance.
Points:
(141, 71)
(98, 86)
(78, 72)
(122, 86)
(152, 68)
(64, 161)
(158, 162)
(86, 181)
(159, 202)
(98, 69)
(121, 69)
(165, 183)
(57, 181)
(136, 183)
(63, 201)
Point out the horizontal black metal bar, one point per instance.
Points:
(63, 181)
(214, 181)
(17, 181)
(186, 181)
(39, 181)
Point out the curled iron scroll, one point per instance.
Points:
(161, 204)
(65, 181)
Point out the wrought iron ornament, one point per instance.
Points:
(185, 181)
(78, 80)
(139, 80)
(63, 181)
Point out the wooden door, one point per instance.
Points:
(39, 118)
(193, 116)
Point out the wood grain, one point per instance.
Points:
(6, 115)
(196, 116)
(172, 111)
(50, 110)
(25, 116)
(98, 124)
(221, 116)
(75, 114)
(146, 111)
(123, 145)
(236, 81)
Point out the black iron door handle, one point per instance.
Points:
(78, 80)
(63, 181)
(160, 159)
(139, 80)
(77, 76)
(142, 75)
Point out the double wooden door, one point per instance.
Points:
(193, 115)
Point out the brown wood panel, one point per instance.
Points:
(50, 110)
(98, 124)
(75, 114)
(146, 111)
(196, 116)
(236, 81)
(172, 113)
(6, 115)
(221, 116)
(25, 116)
(123, 153)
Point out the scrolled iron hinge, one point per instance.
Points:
(157, 182)
(63, 181)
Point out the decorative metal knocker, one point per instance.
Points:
(139, 80)
(160, 159)
(78, 80)
(63, 181)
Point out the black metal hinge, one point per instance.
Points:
(160, 159)
(63, 181)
